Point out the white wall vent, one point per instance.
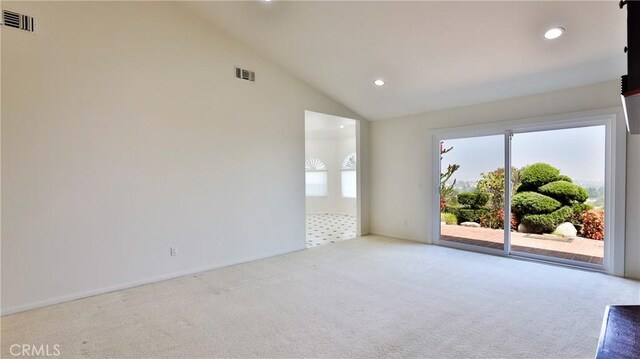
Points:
(243, 74)
(18, 21)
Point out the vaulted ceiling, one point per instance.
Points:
(432, 55)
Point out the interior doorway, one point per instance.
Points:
(331, 179)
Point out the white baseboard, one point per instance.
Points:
(395, 236)
(136, 283)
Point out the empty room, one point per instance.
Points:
(323, 179)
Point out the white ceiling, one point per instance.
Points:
(320, 126)
(432, 55)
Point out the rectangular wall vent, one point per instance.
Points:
(243, 74)
(18, 21)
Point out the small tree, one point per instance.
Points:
(446, 190)
(493, 183)
(516, 177)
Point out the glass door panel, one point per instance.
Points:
(558, 194)
(472, 191)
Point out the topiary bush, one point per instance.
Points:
(536, 175)
(448, 218)
(547, 198)
(539, 223)
(564, 178)
(467, 198)
(565, 192)
(453, 210)
(473, 200)
(525, 203)
(547, 223)
(471, 214)
(482, 198)
(578, 208)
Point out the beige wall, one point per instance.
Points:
(124, 132)
(401, 187)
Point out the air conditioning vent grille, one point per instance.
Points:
(243, 74)
(18, 21)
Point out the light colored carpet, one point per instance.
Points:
(368, 297)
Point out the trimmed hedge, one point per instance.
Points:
(536, 175)
(471, 214)
(564, 178)
(564, 191)
(578, 209)
(547, 223)
(533, 203)
(473, 199)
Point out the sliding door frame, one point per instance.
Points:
(615, 148)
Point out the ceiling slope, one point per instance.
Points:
(432, 55)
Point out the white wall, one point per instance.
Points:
(124, 132)
(332, 152)
(401, 187)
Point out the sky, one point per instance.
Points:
(577, 152)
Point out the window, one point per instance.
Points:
(315, 178)
(349, 186)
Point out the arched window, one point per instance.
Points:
(349, 183)
(315, 178)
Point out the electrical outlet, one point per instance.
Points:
(173, 251)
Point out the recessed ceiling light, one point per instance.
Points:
(341, 126)
(378, 82)
(554, 33)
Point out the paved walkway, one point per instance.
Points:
(578, 249)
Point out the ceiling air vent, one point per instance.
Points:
(243, 74)
(18, 21)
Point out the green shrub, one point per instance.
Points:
(536, 175)
(453, 210)
(564, 178)
(448, 218)
(577, 209)
(467, 198)
(547, 223)
(565, 192)
(473, 200)
(539, 223)
(481, 199)
(525, 203)
(471, 214)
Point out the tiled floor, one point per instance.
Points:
(329, 228)
(577, 249)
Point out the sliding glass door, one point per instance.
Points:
(530, 193)
(559, 194)
(472, 191)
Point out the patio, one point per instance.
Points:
(577, 249)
